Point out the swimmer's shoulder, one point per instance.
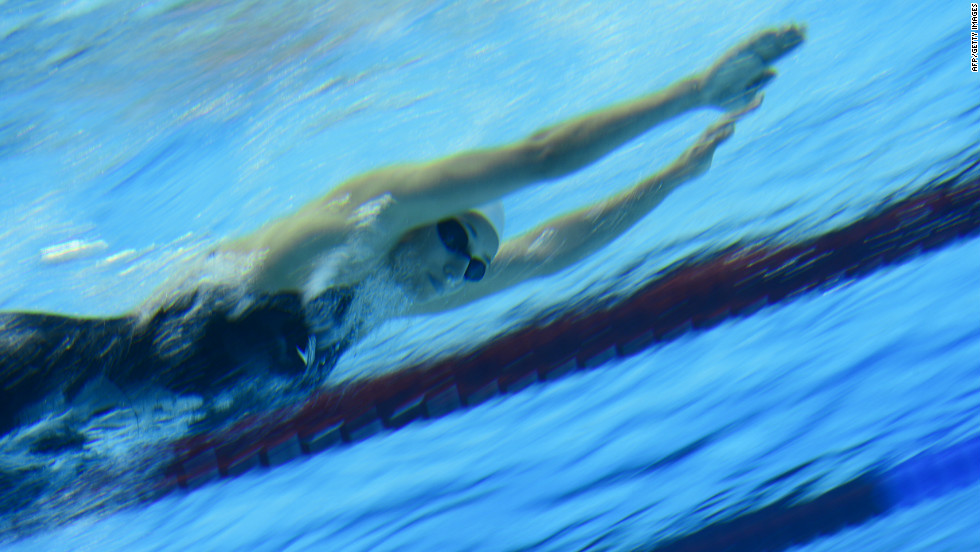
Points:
(283, 251)
(309, 224)
(286, 249)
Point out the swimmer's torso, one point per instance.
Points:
(207, 343)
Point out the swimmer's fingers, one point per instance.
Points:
(757, 84)
(753, 104)
(775, 43)
(716, 134)
(697, 159)
(724, 128)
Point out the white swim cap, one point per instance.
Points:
(494, 213)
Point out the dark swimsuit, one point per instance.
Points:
(195, 345)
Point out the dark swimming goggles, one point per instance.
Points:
(456, 240)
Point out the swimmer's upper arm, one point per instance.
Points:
(421, 193)
(286, 249)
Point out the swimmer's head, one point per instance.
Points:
(437, 259)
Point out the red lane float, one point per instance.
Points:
(698, 294)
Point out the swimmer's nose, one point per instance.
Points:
(456, 268)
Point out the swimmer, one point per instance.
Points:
(397, 241)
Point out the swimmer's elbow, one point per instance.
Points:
(543, 158)
(547, 255)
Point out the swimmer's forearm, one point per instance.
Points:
(574, 144)
(570, 238)
(580, 233)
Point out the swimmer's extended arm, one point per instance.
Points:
(424, 193)
(565, 240)
(427, 192)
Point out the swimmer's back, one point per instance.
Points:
(202, 343)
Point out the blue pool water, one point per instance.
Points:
(149, 132)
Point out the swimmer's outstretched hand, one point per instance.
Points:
(697, 159)
(736, 79)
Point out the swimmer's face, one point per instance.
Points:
(438, 259)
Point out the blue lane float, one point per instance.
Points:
(878, 492)
(694, 295)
